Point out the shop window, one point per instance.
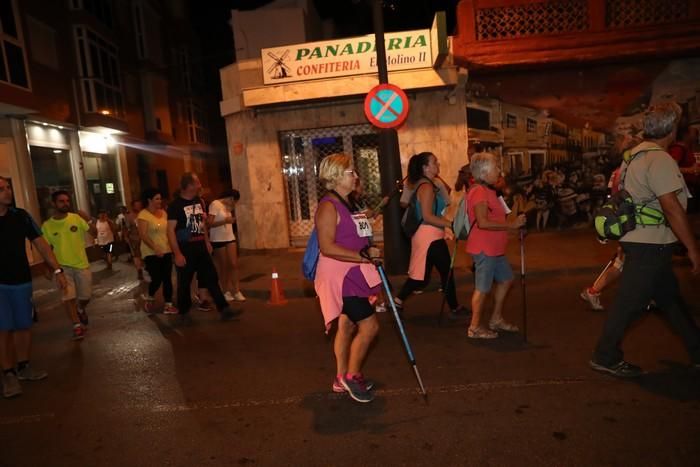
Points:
(52, 172)
(100, 75)
(100, 9)
(511, 121)
(103, 181)
(478, 119)
(13, 63)
(302, 152)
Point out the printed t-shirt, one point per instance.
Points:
(67, 237)
(191, 220)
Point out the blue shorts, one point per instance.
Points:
(489, 269)
(15, 307)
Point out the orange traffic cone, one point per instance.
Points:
(276, 292)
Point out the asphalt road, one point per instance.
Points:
(140, 390)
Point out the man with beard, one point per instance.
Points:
(65, 231)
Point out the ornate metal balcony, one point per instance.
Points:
(512, 33)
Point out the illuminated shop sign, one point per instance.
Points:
(405, 50)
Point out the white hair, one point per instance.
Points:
(481, 163)
(661, 119)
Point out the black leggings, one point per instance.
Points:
(160, 269)
(438, 256)
(198, 261)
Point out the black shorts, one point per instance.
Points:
(216, 245)
(108, 248)
(357, 308)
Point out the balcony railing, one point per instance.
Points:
(512, 32)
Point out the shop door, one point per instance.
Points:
(302, 152)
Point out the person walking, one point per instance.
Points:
(189, 241)
(17, 226)
(106, 231)
(653, 179)
(223, 241)
(487, 245)
(155, 250)
(428, 244)
(345, 279)
(65, 232)
(131, 236)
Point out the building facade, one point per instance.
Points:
(97, 98)
(278, 132)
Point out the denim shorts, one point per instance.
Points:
(15, 307)
(489, 269)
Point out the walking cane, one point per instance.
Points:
(445, 285)
(607, 266)
(522, 282)
(397, 318)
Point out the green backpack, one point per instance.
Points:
(620, 214)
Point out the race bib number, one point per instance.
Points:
(364, 228)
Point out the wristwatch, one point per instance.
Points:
(58, 271)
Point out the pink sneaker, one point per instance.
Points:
(169, 309)
(338, 386)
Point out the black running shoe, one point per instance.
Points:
(622, 369)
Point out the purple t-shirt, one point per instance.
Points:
(354, 284)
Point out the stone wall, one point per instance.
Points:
(436, 123)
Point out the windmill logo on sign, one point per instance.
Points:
(279, 69)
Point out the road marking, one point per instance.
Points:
(296, 400)
(25, 419)
(293, 400)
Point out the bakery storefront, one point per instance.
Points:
(297, 104)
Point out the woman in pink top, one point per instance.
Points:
(487, 245)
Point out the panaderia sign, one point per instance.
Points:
(405, 50)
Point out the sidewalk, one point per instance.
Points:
(547, 255)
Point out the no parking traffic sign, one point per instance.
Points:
(386, 106)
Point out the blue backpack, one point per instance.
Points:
(311, 255)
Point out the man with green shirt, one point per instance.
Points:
(65, 231)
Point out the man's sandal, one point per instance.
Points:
(503, 326)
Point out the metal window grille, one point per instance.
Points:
(626, 13)
(302, 152)
(534, 19)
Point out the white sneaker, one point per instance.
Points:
(239, 297)
(380, 307)
(228, 296)
(592, 299)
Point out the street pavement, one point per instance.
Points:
(142, 390)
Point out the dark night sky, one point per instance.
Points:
(352, 18)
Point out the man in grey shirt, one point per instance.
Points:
(652, 178)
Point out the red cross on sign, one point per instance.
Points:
(386, 106)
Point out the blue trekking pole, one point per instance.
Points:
(397, 318)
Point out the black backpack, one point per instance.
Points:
(412, 219)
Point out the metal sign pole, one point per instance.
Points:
(396, 245)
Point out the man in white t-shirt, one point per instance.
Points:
(105, 236)
(223, 241)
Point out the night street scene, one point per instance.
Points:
(349, 232)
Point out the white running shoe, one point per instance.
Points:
(239, 297)
(228, 296)
(592, 299)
